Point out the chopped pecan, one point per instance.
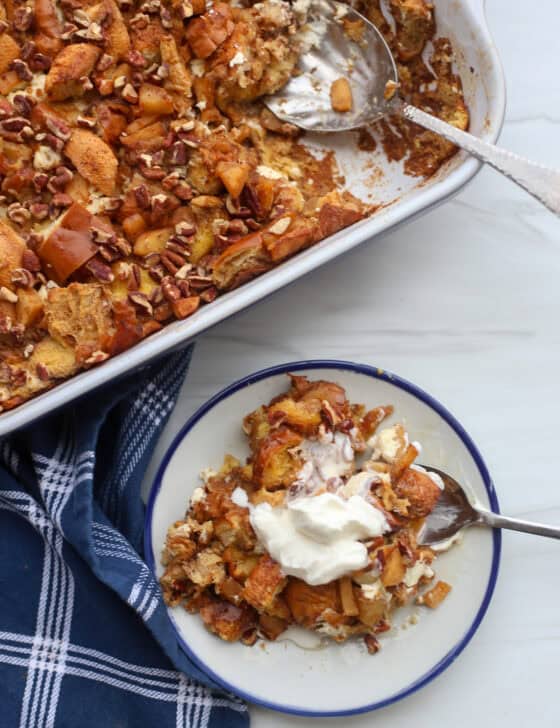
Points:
(22, 278)
(105, 62)
(170, 290)
(61, 199)
(18, 213)
(140, 300)
(96, 358)
(209, 294)
(22, 18)
(100, 270)
(39, 62)
(24, 104)
(130, 94)
(42, 372)
(39, 210)
(22, 70)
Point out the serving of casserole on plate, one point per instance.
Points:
(362, 596)
(318, 528)
(147, 193)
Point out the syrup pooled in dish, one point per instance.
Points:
(141, 176)
(318, 528)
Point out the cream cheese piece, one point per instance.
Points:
(198, 495)
(415, 573)
(329, 458)
(389, 443)
(237, 60)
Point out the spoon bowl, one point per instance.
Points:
(368, 65)
(454, 511)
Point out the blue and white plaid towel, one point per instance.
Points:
(84, 635)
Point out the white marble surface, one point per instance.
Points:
(465, 303)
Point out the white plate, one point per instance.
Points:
(337, 679)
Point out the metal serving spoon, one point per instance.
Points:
(369, 65)
(454, 511)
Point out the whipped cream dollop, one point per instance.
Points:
(316, 538)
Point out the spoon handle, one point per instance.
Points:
(540, 181)
(514, 524)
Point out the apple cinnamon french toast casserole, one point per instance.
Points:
(317, 529)
(141, 175)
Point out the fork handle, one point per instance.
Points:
(540, 181)
(495, 520)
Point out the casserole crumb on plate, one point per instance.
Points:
(318, 529)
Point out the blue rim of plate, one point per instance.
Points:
(376, 373)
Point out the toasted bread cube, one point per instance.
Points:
(239, 563)
(205, 568)
(179, 82)
(435, 596)
(49, 28)
(264, 584)
(94, 160)
(370, 611)
(202, 243)
(235, 528)
(341, 95)
(335, 217)
(29, 307)
(304, 417)
(58, 358)
(420, 491)
(73, 63)
(231, 590)
(272, 627)
(415, 25)
(242, 260)
(283, 243)
(9, 51)
(275, 465)
(118, 40)
(78, 189)
(8, 82)
(228, 621)
(80, 315)
(256, 426)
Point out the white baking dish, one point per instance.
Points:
(479, 66)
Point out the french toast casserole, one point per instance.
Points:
(141, 176)
(317, 529)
